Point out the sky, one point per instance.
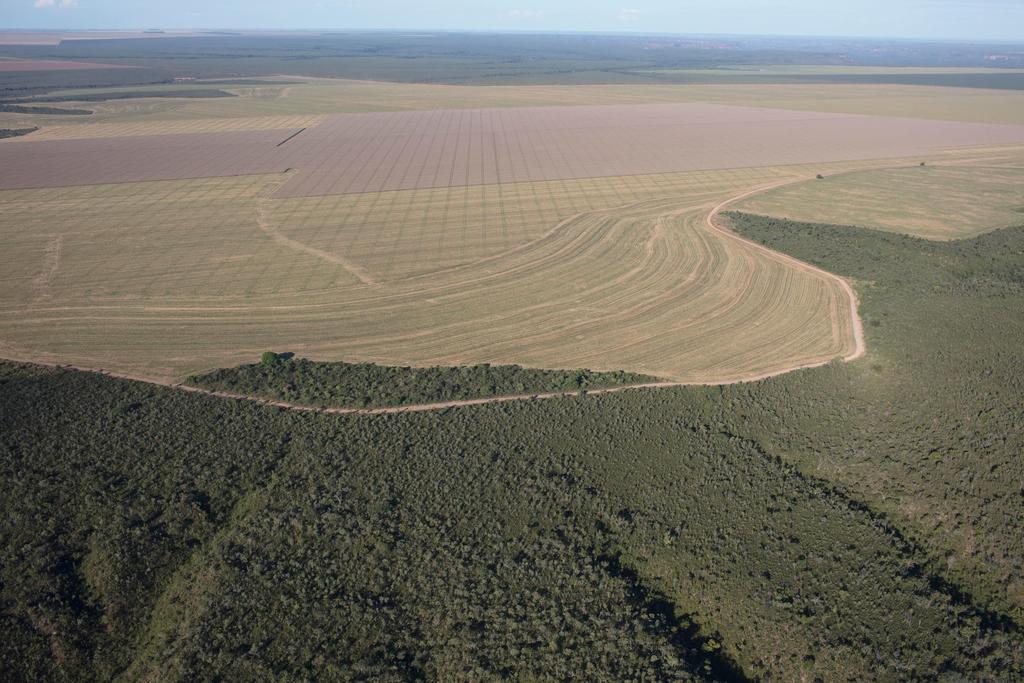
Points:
(952, 19)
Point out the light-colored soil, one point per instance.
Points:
(848, 307)
(267, 226)
(858, 348)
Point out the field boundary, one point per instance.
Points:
(266, 225)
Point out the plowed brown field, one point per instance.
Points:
(352, 153)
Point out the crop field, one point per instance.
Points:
(353, 153)
(937, 202)
(289, 96)
(174, 236)
(403, 150)
(609, 274)
(55, 163)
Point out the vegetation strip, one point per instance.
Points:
(132, 95)
(15, 132)
(48, 111)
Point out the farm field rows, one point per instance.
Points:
(629, 279)
(402, 150)
(353, 153)
(53, 163)
(545, 236)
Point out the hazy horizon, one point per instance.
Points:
(957, 20)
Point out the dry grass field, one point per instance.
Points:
(937, 202)
(289, 96)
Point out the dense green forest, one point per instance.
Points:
(359, 385)
(930, 427)
(810, 526)
(6, 107)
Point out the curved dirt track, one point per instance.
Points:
(856, 325)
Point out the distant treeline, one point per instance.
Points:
(359, 385)
(508, 59)
(29, 106)
(130, 95)
(53, 111)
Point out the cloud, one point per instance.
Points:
(63, 4)
(525, 14)
(629, 14)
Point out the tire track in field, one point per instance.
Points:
(267, 226)
(51, 263)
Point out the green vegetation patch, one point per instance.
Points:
(927, 427)
(55, 111)
(167, 535)
(132, 95)
(15, 132)
(361, 385)
(857, 521)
